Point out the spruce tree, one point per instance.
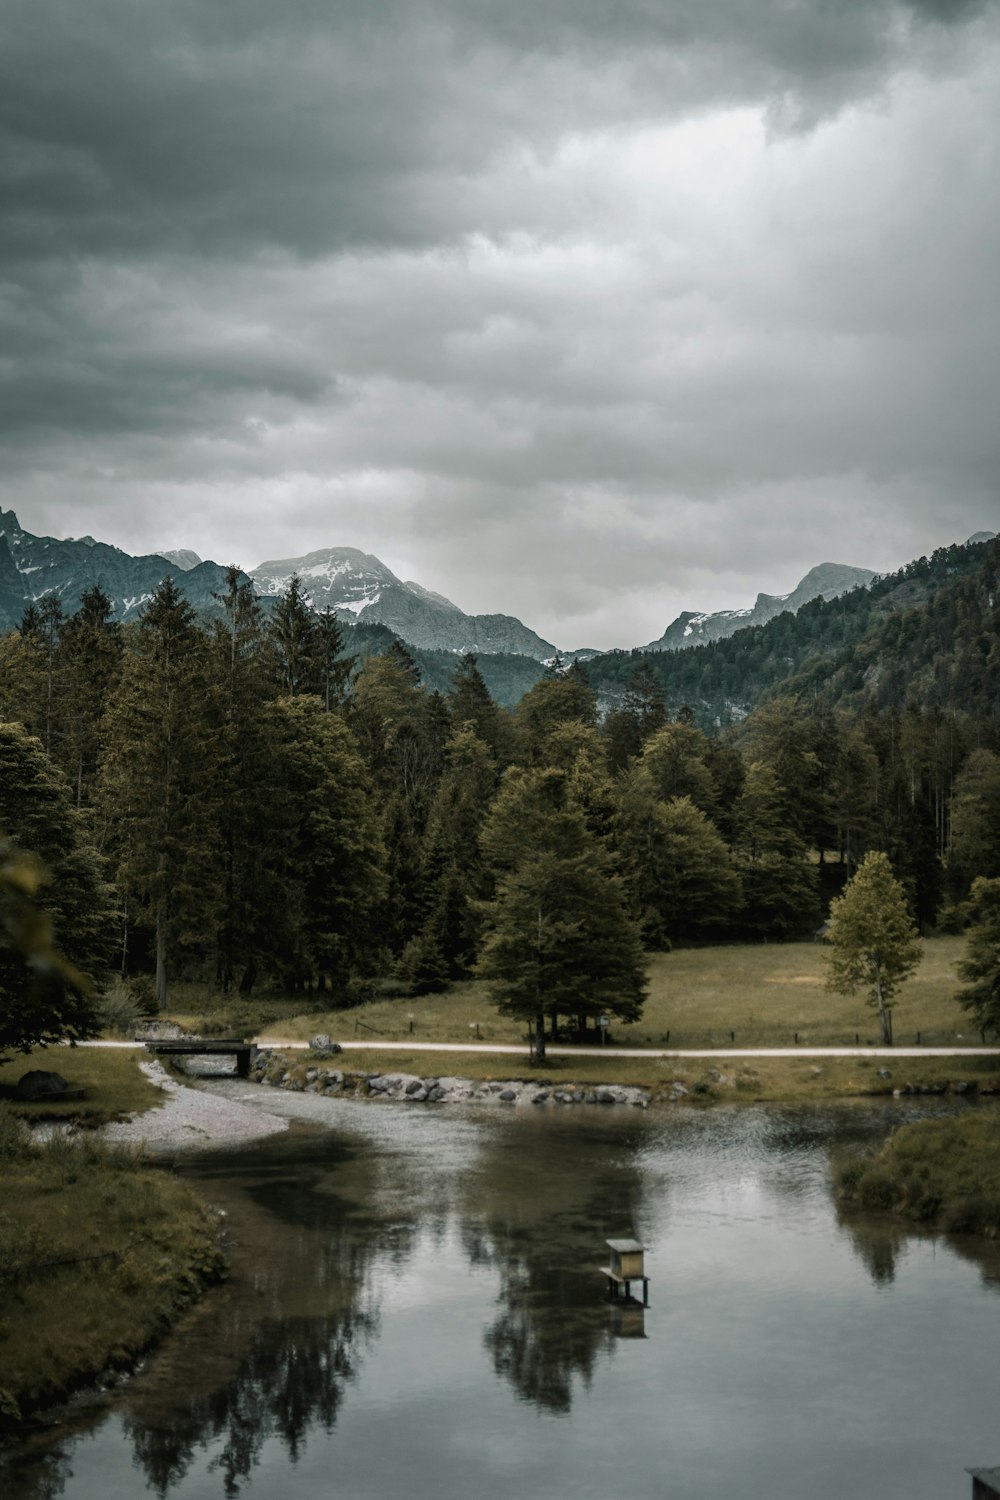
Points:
(159, 783)
(980, 968)
(57, 919)
(559, 937)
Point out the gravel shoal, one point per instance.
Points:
(191, 1120)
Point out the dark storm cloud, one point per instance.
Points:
(637, 286)
(198, 126)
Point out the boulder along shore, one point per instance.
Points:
(273, 1067)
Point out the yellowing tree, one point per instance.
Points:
(875, 944)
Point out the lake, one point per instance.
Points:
(416, 1308)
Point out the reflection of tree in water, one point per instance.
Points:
(880, 1240)
(290, 1378)
(878, 1243)
(538, 1209)
(276, 1350)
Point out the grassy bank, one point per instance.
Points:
(758, 995)
(113, 1084)
(942, 1173)
(764, 1079)
(97, 1254)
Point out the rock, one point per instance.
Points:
(39, 1083)
(884, 1073)
(962, 1087)
(508, 1096)
(413, 1087)
(435, 1094)
(605, 1096)
(324, 1046)
(541, 1096)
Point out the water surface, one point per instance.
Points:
(416, 1308)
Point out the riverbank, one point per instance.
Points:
(98, 1255)
(421, 1077)
(944, 1174)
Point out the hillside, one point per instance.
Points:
(929, 632)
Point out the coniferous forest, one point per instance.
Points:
(240, 800)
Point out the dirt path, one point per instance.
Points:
(510, 1049)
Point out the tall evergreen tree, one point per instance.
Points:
(780, 891)
(57, 921)
(159, 782)
(980, 968)
(333, 875)
(248, 795)
(91, 651)
(559, 938)
(294, 637)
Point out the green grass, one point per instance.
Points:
(115, 1086)
(97, 1255)
(760, 995)
(943, 1173)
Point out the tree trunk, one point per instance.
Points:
(538, 1042)
(161, 954)
(884, 1015)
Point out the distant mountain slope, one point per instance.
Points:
(826, 581)
(929, 631)
(360, 588)
(34, 567)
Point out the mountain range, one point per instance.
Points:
(357, 586)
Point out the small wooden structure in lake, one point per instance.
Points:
(627, 1265)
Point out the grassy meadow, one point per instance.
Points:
(97, 1255)
(756, 995)
(114, 1085)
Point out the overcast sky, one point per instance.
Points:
(586, 311)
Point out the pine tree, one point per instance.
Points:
(159, 782)
(247, 795)
(57, 921)
(874, 945)
(679, 873)
(559, 937)
(560, 942)
(294, 638)
(641, 713)
(91, 652)
(980, 968)
(333, 870)
(780, 890)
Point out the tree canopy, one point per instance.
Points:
(874, 942)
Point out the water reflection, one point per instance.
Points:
(878, 1243)
(417, 1300)
(270, 1356)
(541, 1223)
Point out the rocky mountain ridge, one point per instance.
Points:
(359, 587)
(363, 591)
(36, 567)
(826, 581)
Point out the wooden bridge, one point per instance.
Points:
(194, 1046)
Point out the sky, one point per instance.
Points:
(586, 311)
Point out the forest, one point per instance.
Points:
(238, 799)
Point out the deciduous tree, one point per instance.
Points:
(874, 942)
